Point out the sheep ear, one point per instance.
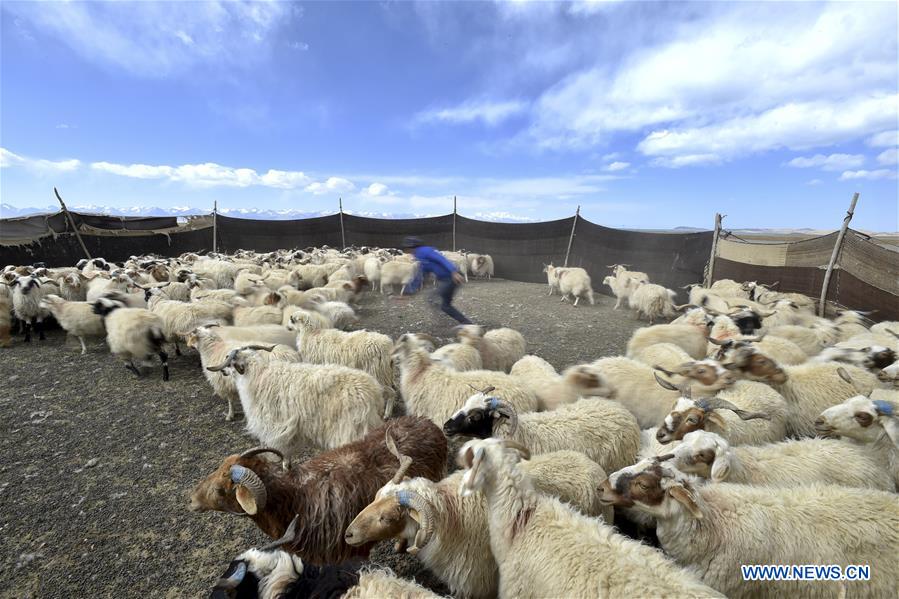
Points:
(246, 500)
(716, 419)
(721, 465)
(891, 426)
(680, 494)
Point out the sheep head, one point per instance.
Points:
(653, 487)
(477, 416)
(236, 486)
(690, 415)
(480, 456)
(588, 381)
(709, 373)
(753, 365)
(237, 359)
(704, 454)
(862, 419)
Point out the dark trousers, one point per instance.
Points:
(444, 293)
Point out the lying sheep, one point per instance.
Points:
(448, 532)
(366, 350)
(553, 390)
(602, 430)
(786, 464)
(437, 392)
(326, 491)
(500, 348)
(691, 339)
(213, 349)
(545, 548)
(872, 424)
(132, 333)
(815, 524)
(290, 406)
(76, 318)
(808, 389)
(747, 413)
(652, 301)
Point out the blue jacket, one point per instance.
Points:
(433, 261)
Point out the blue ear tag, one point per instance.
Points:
(492, 403)
(883, 408)
(703, 405)
(403, 497)
(237, 473)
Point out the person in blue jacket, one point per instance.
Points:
(448, 277)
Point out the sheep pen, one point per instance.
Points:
(98, 465)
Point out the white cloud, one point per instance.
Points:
(796, 126)
(208, 174)
(882, 173)
(376, 189)
(488, 112)
(884, 139)
(301, 46)
(155, 39)
(332, 184)
(11, 159)
(729, 71)
(687, 160)
(888, 157)
(833, 162)
(616, 166)
(814, 182)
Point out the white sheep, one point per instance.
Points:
(245, 316)
(397, 272)
(132, 333)
(869, 422)
(785, 464)
(340, 314)
(460, 356)
(308, 276)
(545, 548)
(27, 293)
(291, 406)
(371, 268)
(179, 318)
(692, 339)
(554, 390)
(460, 261)
(366, 350)
(808, 389)
(500, 348)
(100, 285)
(436, 392)
(481, 265)
(652, 301)
(267, 333)
(812, 340)
(448, 532)
(73, 287)
(248, 283)
(76, 318)
(714, 529)
(884, 328)
(602, 430)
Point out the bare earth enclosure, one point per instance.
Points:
(97, 465)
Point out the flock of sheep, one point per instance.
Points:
(747, 431)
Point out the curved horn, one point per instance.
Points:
(682, 307)
(663, 458)
(714, 341)
(288, 537)
(410, 499)
(233, 581)
(260, 347)
(667, 372)
(716, 403)
(663, 383)
(405, 461)
(241, 475)
(257, 450)
(519, 447)
(221, 366)
(893, 333)
(506, 409)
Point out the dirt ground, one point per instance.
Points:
(97, 465)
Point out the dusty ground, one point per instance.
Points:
(97, 465)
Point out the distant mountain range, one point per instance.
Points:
(9, 211)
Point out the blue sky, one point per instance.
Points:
(648, 115)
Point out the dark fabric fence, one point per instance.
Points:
(378, 232)
(672, 260)
(270, 235)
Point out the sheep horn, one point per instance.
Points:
(755, 339)
(664, 458)
(663, 383)
(720, 404)
(683, 307)
(667, 372)
(257, 450)
(506, 409)
(410, 499)
(893, 333)
(714, 341)
(233, 581)
(519, 447)
(260, 347)
(288, 537)
(405, 461)
(241, 475)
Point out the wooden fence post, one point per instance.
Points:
(571, 237)
(454, 223)
(72, 223)
(215, 227)
(836, 252)
(710, 275)
(342, 234)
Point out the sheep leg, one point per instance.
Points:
(26, 326)
(590, 297)
(576, 300)
(403, 290)
(177, 349)
(39, 325)
(550, 290)
(230, 415)
(130, 366)
(164, 358)
(83, 346)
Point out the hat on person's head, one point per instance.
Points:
(412, 242)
